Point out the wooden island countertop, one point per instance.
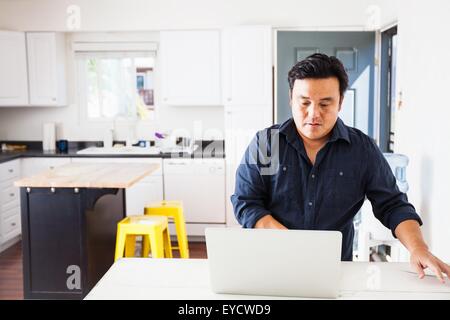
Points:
(90, 175)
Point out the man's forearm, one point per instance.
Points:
(408, 232)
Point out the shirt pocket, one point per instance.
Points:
(286, 183)
(341, 188)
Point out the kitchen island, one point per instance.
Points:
(69, 218)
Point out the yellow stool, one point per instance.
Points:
(174, 211)
(154, 230)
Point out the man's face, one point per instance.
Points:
(315, 106)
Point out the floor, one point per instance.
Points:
(11, 280)
(11, 273)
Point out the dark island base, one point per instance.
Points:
(68, 239)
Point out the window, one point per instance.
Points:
(116, 85)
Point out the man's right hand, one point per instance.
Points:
(268, 222)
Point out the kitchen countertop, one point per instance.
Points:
(90, 175)
(204, 152)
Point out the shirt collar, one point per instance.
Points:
(339, 131)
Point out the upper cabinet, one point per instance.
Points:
(46, 68)
(32, 69)
(247, 66)
(13, 69)
(190, 68)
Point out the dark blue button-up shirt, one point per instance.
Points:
(276, 177)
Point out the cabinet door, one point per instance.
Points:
(190, 64)
(10, 224)
(149, 189)
(9, 170)
(46, 68)
(142, 194)
(247, 66)
(32, 166)
(200, 185)
(13, 69)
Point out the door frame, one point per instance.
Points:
(377, 59)
(386, 135)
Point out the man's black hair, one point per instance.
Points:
(319, 66)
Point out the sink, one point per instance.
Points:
(138, 150)
(121, 150)
(178, 149)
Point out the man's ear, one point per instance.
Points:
(341, 99)
(290, 97)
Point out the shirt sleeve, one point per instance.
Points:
(250, 195)
(390, 205)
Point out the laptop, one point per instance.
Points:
(272, 262)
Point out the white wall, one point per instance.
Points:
(422, 123)
(135, 15)
(108, 15)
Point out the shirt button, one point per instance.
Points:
(341, 173)
(313, 176)
(310, 203)
(284, 168)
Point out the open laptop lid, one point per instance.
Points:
(274, 262)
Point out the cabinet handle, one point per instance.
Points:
(228, 99)
(52, 167)
(13, 224)
(10, 170)
(53, 99)
(11, 194)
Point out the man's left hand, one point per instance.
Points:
(421, 259)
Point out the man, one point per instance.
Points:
(324, 170)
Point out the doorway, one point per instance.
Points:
(356, 50)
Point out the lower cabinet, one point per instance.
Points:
(200, 184)
(9, 204)
(147, 190)
(10, 224)
(35, 165)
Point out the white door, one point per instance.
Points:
(200, 185)
(13, 69)
(46, 68)
(247, 66)
(190, 67)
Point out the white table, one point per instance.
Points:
(167, 279)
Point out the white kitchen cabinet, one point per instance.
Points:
(10, 227)
(200, 185)
(13, 69)
(46, 68)
(190, 68)
(247, 65)
(32, 166)
(145, 191)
